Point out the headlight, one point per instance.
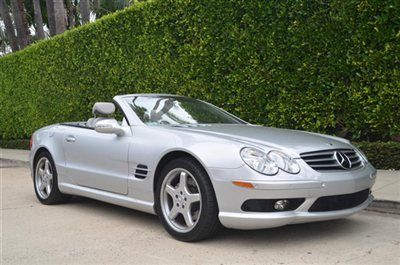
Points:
(259, 161)
(270, 163)
(284, 162)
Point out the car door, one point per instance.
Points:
(97, 160)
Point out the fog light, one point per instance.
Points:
(281, 205)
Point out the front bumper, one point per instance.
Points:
(309, 184)
(247, 221)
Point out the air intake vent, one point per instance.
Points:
(339, 202)
(141, 171)
(333, 160)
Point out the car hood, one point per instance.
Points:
(294, 141)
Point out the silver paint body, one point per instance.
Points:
(102, 166)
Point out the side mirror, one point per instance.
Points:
(109, 126)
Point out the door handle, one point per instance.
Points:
(70, 139)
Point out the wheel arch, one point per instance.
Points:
(38, 152)
(172, 155)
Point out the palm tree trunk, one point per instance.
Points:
(70, 14)
(96, 7)
(60, 16)
(38, 19)
(10, 33)
(85, 12)
(23, 33)
(25, 23)
(50, 17)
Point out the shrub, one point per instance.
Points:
(324, 66)
(383, 155)
(15, 144)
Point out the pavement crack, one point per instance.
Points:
(385, 186)
(16, 208)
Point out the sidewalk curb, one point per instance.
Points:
(384, 206)
(4, 162)
(381, 206)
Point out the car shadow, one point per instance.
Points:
(293, 234)
(107, 209)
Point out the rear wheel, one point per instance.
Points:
(186, 202)
(45, 180)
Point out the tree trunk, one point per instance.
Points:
(60, 16)
(50, 17)
(10, 33)
(25, 23)
(70, 14)
(38, 20)
(85, 10)
(23, 33)
(96, 7)
(18, 24)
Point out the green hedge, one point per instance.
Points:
(324, 66)
(383, 155)
(15, 144)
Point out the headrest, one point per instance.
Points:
(103, 108)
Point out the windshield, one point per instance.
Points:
(175, 110)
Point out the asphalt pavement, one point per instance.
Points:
(85, 231)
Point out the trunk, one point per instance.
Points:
(38, 20)
(60, 16)
(96, 6)
(25, 23)
(23, 33)
(10, 33)
(50, 17)
(85, 12)
(70, 14)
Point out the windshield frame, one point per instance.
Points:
(127, 99)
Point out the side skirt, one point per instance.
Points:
(109, 197)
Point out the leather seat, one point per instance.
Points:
(89, 122)
(100, 108)
(92, 121)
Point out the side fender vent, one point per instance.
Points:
(141, 171)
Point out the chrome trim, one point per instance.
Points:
(333, 160)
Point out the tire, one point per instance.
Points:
(45, 181)
(188, 211)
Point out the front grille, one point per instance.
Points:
(339, 202)
(328, 160)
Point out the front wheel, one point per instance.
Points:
(186, 202)
(46, 181)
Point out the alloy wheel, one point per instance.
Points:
(180, 200)
(44, 178)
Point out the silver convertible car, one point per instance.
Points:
(198, 167)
